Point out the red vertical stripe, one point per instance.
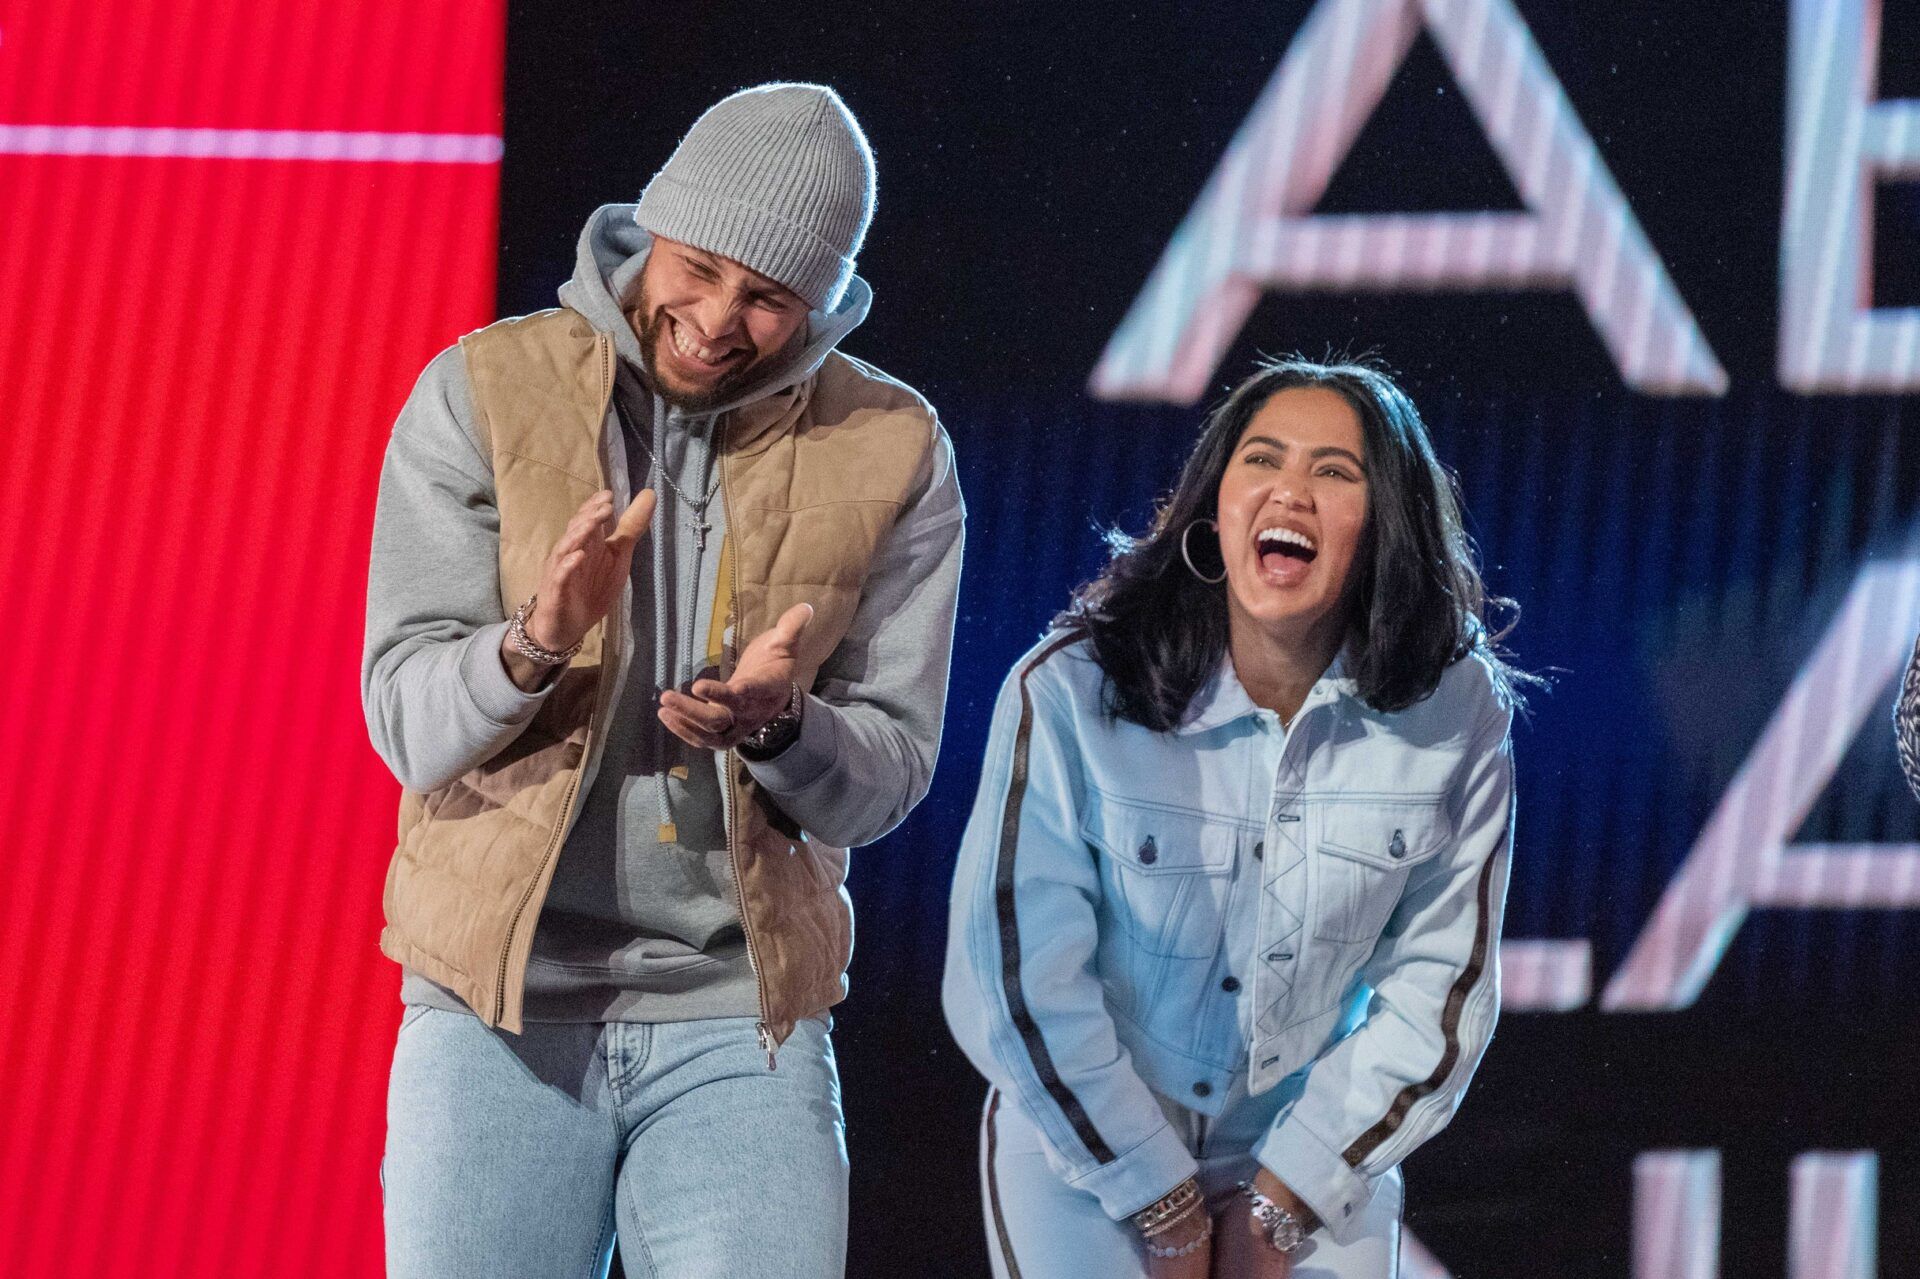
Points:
(199, 363)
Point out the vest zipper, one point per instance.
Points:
(513, 925)
(761, 1029)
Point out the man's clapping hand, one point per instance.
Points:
(717, 715)
(582, 579)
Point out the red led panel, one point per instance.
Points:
(202, 349)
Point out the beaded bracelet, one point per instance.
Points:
(1166, 1226)
(1186, 1249)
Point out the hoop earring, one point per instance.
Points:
(1210, 581)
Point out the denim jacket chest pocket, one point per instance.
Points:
(1166, 873)
(1367, 852)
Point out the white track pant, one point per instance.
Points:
(1038, 1227)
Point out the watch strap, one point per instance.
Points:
(777, 733)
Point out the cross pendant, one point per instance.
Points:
(700, 531)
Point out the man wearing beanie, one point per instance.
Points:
(658, 620)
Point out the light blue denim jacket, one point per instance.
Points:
(1138, 912)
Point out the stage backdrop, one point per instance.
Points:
(1651, 272)
(230, 235)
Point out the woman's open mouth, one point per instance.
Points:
(1286, 555)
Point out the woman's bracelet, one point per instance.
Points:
(1283, 1231)
(1186, 1249)
(1169, 1224)
(1163, 1212)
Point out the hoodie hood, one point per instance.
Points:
(606, 268)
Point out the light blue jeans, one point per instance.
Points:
(530, 1155)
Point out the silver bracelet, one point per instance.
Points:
(523, 643)
(1283, 1231)
(1186, 1249)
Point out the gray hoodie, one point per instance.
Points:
(636, 929)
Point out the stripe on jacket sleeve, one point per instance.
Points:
(1372, 1139)
(1030, 1037)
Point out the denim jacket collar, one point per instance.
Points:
(1223, 698)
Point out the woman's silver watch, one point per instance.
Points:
(1285, 1232)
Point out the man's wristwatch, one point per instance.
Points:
(777, 733)
(1285, 1232)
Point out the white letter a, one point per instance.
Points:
(1251, 229)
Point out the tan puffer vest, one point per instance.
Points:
(812, 478)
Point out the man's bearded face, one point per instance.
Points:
(707, 325)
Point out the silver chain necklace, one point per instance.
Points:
(701, 526)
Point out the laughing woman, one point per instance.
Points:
(1224, 923)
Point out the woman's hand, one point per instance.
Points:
(1240, 1246)
(1197, 1264)
(1180, 1226)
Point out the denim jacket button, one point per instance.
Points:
(1203, 1089)
(1230, 984)
(1149, 853)
(1398, 848)
(1259, 850)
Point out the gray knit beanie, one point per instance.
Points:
(780, 179)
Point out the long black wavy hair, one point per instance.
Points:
(1415, 602)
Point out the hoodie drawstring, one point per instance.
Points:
(663, 677)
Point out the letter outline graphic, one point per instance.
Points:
(1251, 227)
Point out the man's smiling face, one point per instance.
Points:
(707, 325)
